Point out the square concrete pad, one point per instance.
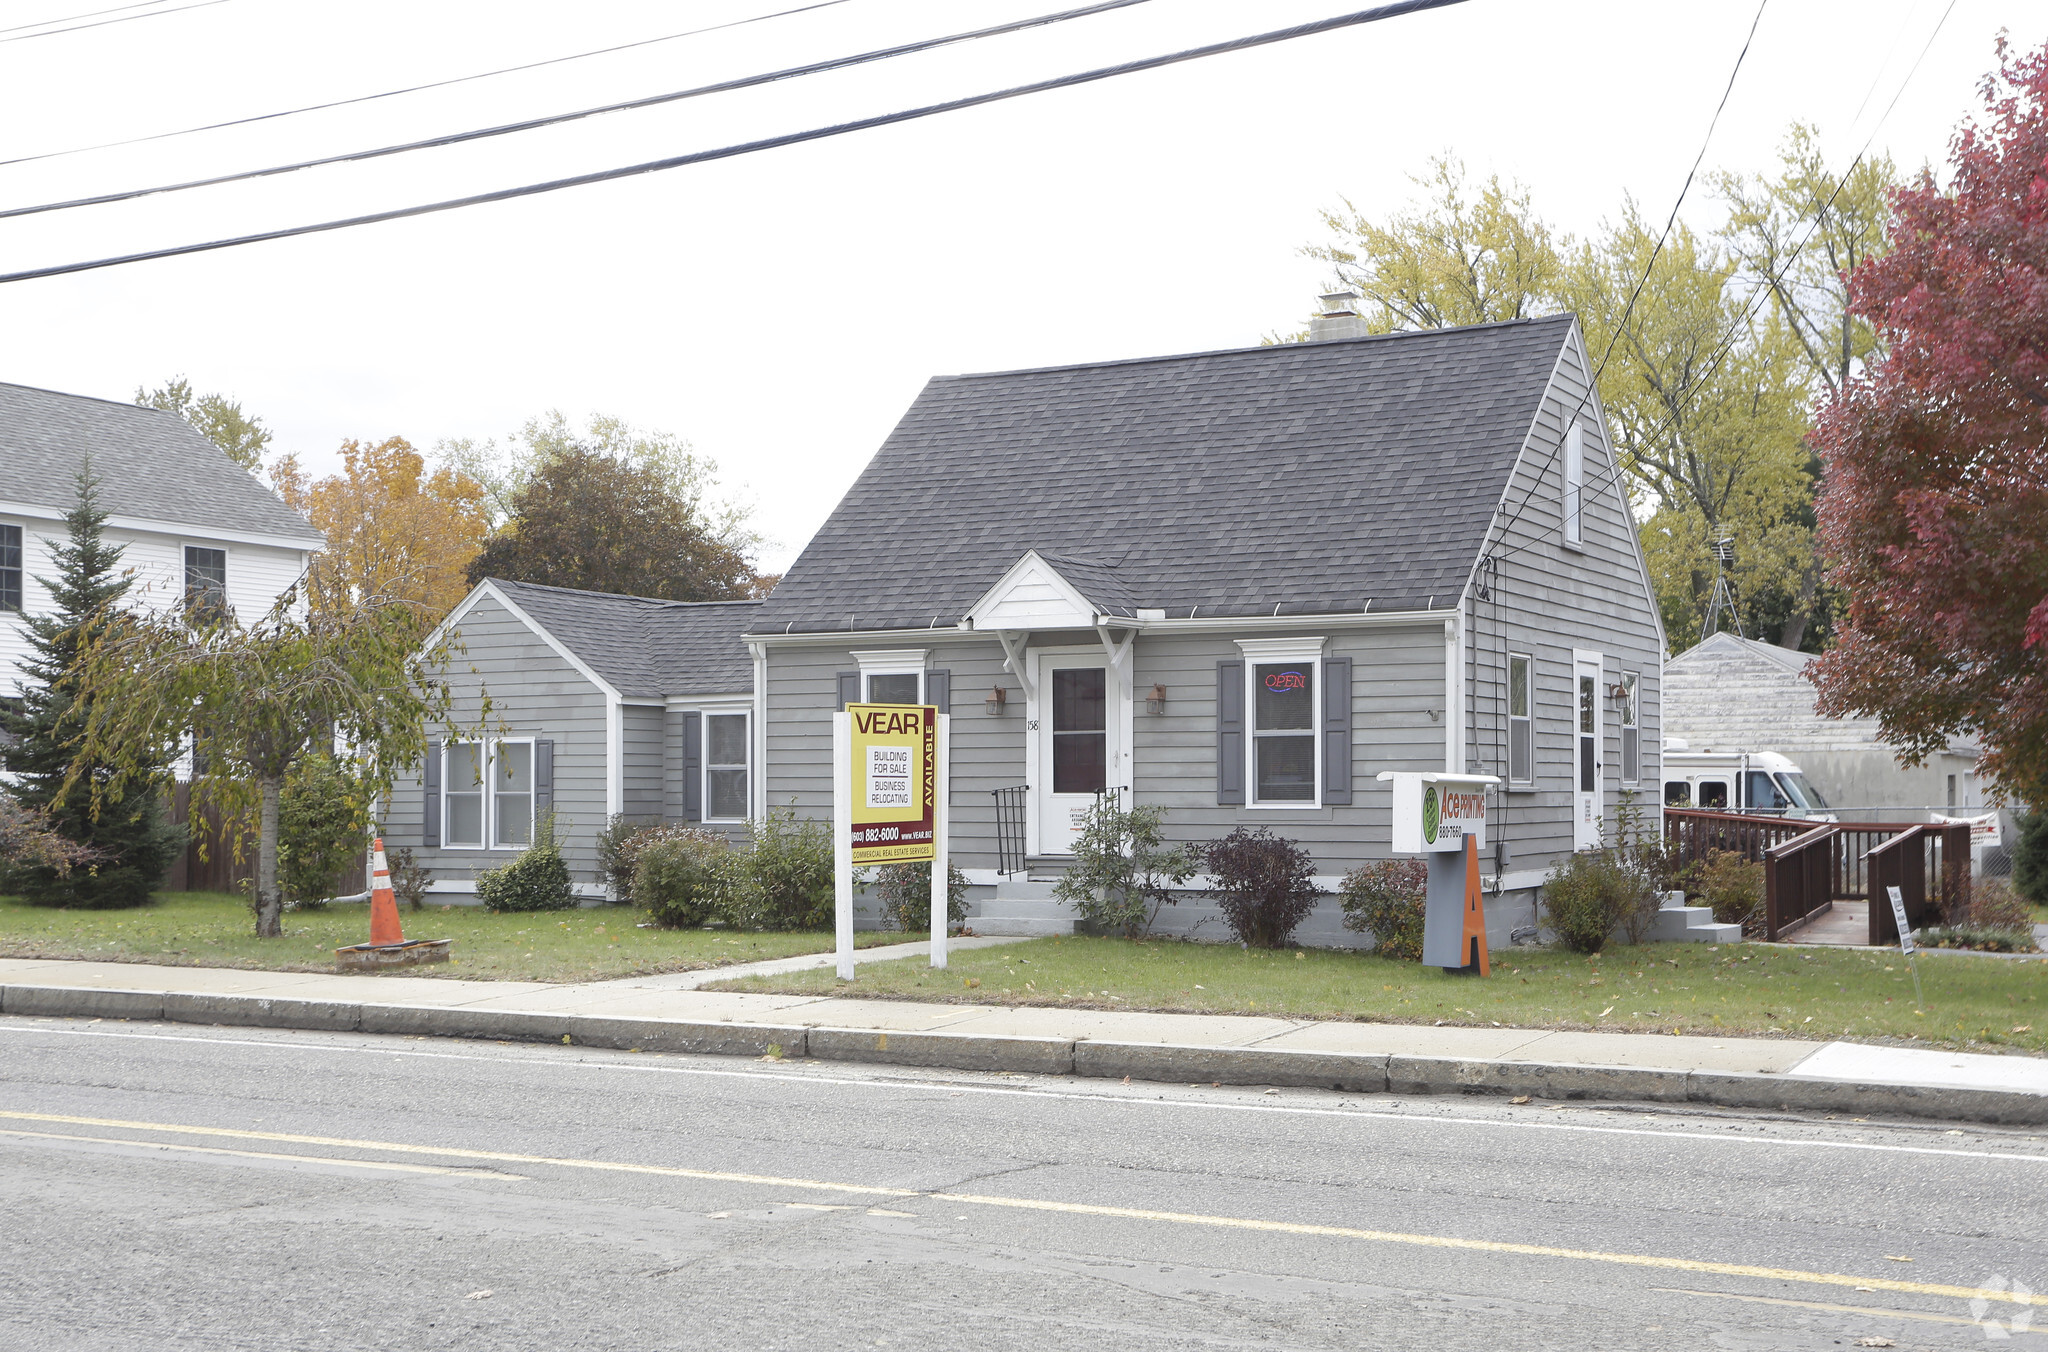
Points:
(1906, 1065)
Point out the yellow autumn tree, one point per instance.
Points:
(393, 529)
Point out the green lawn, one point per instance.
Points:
(1689, 988)
(211, 929)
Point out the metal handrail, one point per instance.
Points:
(1010, 843)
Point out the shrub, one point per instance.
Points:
(2030, 856)
(614, 856)
(1592, 894)
(538, 880)
(409, 878)
(676, 872)
(1978, 937)
(1388, 900)
(323, 827)
(1265, 885)
(1995, 906)
(1123, 871)
(1733, 884)
(905, 893)
(783, 881)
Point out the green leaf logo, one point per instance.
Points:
(1431, 817)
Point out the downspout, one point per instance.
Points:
(614, 757)
(757, 804)
(1454, 701)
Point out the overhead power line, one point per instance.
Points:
(126, 18)
(1390, 11)
(555, 119)
(73, 18)
(1761, 293)
(418, 88)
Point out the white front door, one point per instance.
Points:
(1075, 740)
(1587, 771)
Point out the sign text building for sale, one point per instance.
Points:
(895, 768)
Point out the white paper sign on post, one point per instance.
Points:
(1899, 917)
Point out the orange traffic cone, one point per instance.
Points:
(384, 928)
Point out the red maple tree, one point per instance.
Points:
(1934, 507)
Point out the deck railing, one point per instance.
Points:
(1799, 878)
(1930, 865)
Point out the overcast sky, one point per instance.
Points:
(782, 309)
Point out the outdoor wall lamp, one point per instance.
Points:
(997, 697)
(1155, 703)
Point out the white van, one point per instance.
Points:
(1739, 781)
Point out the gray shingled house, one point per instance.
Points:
(601, 705)
(1238, 585)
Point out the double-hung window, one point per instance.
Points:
(206, 579)
(725, 766)
(1631, 731)
(1521, 720)
(895, 687)
(1574, 483)
(1283, 731)
(10, 567)
(487, 795)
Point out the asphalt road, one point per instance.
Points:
(172, 1187)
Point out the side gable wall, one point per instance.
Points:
(535, 694)
(1547, 599)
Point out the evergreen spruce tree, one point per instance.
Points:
(131, 842)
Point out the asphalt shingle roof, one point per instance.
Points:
(1311, 477)
(151, 465)
(646, 648)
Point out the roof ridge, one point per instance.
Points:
(95, 398)
(1261, 347)
(620, 596)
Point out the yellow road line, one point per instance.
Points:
(1086, 1209)
(1870, 1310)
(269, 1155)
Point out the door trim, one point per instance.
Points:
(1585, 836)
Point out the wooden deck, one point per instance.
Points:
(1845, 925)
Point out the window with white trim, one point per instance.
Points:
(894, 687)
(1283, 731)
(1574, 483)
(725, 767)
(1521, 720)
(1631, 731)
(487, 795)
(11, 568)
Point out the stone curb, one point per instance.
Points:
(1358, 1073)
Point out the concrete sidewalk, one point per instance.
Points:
(1755, 1073)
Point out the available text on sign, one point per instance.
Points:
(894, 767)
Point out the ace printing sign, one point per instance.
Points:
(894, 766)
(1435, 813)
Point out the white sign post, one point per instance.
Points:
(842, 844)
(941, 867)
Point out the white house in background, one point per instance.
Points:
(188, 519)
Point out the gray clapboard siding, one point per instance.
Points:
(640, 728)
(535, 694)
(1548, 599)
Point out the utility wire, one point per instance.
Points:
(129, 18)
(73, 18)
(1762, 293)
(555, 119)
(1593, 382)
(1390, 11)
(414, 89)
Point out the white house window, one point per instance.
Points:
(1631, 731)
(206, 578)
(1521, 723)
(1283, 732)
(487, 793)
(894, 687)
(10, 567)
(1574, 482)
(725, 767)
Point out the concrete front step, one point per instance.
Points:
(1691, 925)
(1024, 907)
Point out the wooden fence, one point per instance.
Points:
(215, 868)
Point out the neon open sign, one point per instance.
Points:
(1286, 680)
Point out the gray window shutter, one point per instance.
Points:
(849, 688)
(693, 767)
(1337, 730)
(938, 689)
(1230, 732)
(543, 775)
(430, 810)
